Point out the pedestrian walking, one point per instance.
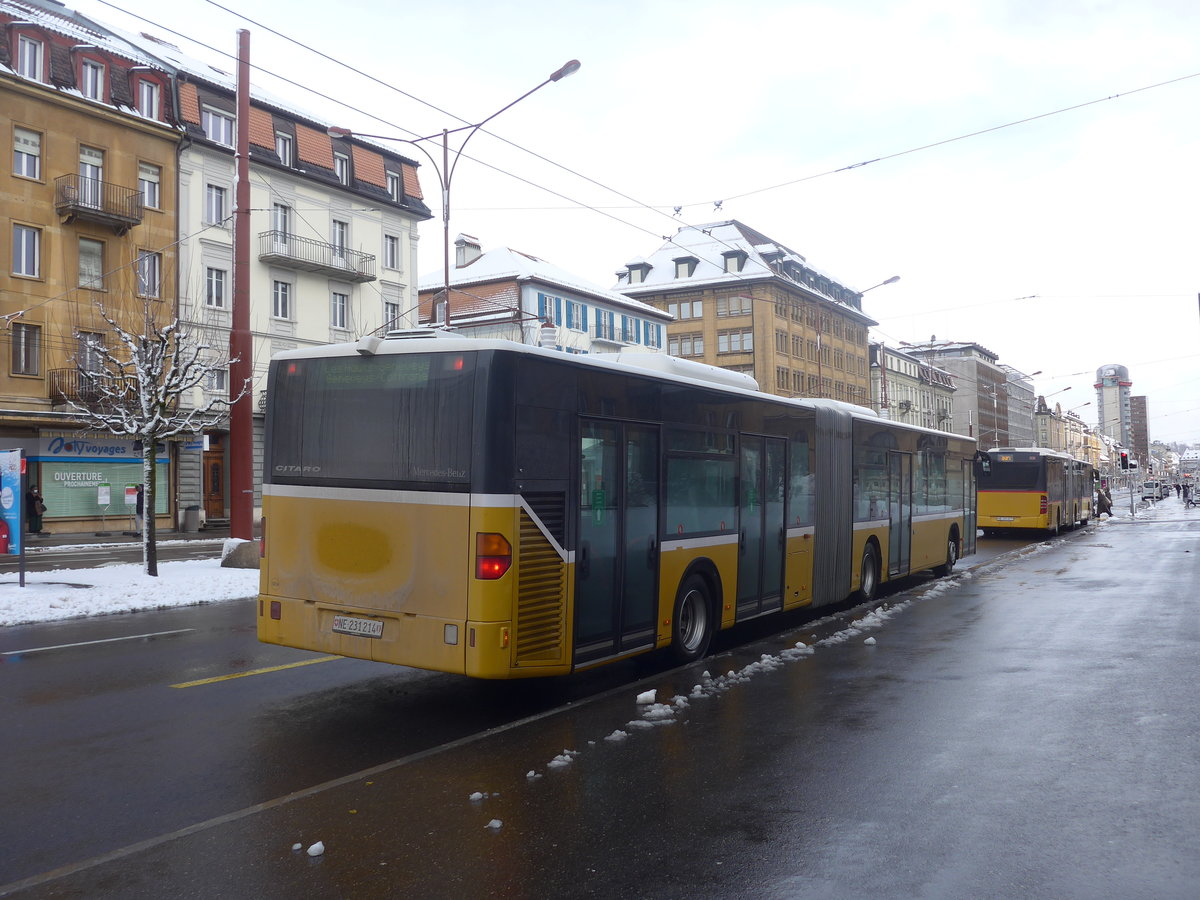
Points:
(1178, 488)
(35, 508)
(140, 507)
(1103, 501)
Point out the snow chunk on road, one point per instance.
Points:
(317, 849)
(870, 642)
(495, 824)
(617, 735)
(646, 697)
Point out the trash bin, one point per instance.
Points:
(191, 518)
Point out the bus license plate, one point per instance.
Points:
(1006, 518)
(361, 627)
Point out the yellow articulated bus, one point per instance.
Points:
(1033, 488)
(505, 511)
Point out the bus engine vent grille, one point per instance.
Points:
(550, 507)
(541, 616)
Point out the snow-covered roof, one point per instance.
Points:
(506, 264)
(711, 244)
(57, 19)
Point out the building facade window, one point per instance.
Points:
(341, 167)
(214, 204)
(781, 342)
(686, 345)
(150, 184)
(148, 99)
(653, 334)
(214, 287)
(27, 251)
(339, 237)
(391, 314)
(27, 153)
(394, 187)
(26, 349)
(576, 316)
(91, 82)
(218, 126)
(29, 58)
(283, 147)
(281, 222)
(218, 381)
(149, 273)
(688, 309)
(391, 251)
(91, 264)
(339, 309)
(733, 306)
(281, 300)
(91, 176)
(735, 341)
(89, 351)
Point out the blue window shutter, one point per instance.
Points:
(584, 320)
(639, 331)
(558, 311)
(542, 307)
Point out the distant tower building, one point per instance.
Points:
(1139, 430)
(1112, 402)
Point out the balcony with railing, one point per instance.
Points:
(92, 200)
(68, 386)
(295, 252)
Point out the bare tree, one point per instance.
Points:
(141, 384)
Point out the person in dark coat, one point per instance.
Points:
(35, 508)
(139, 508)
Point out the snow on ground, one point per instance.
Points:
(70, 593)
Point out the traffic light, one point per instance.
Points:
(1124, 459)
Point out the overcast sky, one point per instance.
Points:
(1061, 244)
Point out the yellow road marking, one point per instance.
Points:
(307, 662)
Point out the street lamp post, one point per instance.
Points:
(446, 172)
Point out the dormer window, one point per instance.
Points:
(218, 127)
(685, 266)
(148, 102)
(735, 260)
(394, 186)
(341, 167)
(283, 147)
(638, 272)
(29, 58)
(91, 80)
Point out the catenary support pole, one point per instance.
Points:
(241, 364)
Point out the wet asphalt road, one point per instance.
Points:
(1025, 731)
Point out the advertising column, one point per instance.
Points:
(12, 465)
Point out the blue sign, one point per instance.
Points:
(12, 501)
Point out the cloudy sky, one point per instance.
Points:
(1061, 243)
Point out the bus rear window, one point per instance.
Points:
(371, 419)
(1013, 476)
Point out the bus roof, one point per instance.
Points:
(656, 365)
(1041, 451)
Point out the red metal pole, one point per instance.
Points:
(241, 352)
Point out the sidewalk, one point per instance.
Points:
(44, 542)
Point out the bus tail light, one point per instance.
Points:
(1043, 505)
(493, 555)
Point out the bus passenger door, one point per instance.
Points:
(899, 512)
(762, 530)
(616, 563)
(968, 508)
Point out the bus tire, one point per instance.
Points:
(951, 558)
(868, 574)
(692, 622)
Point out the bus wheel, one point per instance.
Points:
(951, 558)
(868, 574)
(1054, 529)
(692, 622)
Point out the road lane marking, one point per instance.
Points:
(216, 678)
(131, 637)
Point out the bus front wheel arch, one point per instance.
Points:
(693, 619)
